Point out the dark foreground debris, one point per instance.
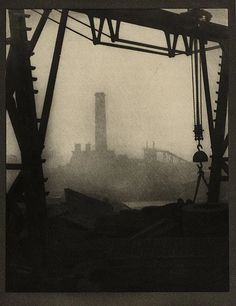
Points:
(170, 248)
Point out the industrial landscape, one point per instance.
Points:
(159, 175)
(105, 221)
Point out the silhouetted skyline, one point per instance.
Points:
(148, 97)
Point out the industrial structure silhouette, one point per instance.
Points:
(32, 229)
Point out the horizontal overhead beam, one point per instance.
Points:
(163, 20)
(147, 45)
(131, 48)
(102, 4)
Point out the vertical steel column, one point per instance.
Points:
(3, 148)
(52, 77)
(32, 173)
(17, 188)
(217, 133)
(10, 81)
(207, 91)
(22, 111)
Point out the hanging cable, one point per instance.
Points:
(200, 156)
(193, 91)
(197, 90)
(200, 67)
(196, 81)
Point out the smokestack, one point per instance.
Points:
(100, 122)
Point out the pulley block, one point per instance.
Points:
(200, 157)
(198, 132)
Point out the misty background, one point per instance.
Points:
(148, 97)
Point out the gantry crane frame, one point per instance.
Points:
(30, 131)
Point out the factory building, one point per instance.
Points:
(101, 151)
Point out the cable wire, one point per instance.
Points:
(83, 23)
(200, 64)
(192, 70)
(72, 30)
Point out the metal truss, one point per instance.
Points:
(117, 42)
(30, 131)
(167, 156)
(175, 26)
(219, 141)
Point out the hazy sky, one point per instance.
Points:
(148, 97)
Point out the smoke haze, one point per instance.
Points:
(148, 97)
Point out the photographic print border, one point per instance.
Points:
(123, 298)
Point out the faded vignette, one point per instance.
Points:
(125, 298)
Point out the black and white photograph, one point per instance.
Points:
(117, 149)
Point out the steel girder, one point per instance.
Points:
(179, 24)
(173, 25)
(16, 189)
(29, 130)
(219, 139)
(22, 112)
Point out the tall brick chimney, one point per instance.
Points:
(100, 123)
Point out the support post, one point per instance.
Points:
(52, 77)
(32, 172)
(39, 29)
(220, 143)
(207, 91)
